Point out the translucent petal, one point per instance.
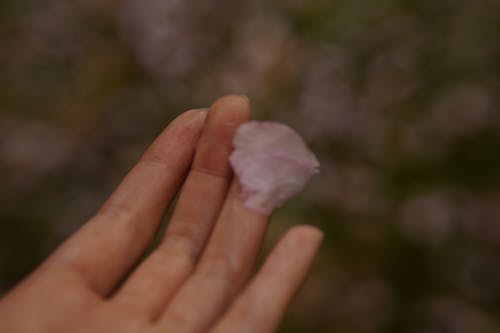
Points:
(272, 163)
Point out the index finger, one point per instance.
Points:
(107, 246)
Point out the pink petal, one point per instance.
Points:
(272, 163)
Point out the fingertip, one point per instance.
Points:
(216, 142)
(190, 116)
(305, 233)
(186, 125)
(233, 98)
(298, 246)
(236, 105)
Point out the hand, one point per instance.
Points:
(200, 277)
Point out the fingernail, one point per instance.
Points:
(314, 233)
(245, 97)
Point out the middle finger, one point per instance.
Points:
(224, 267)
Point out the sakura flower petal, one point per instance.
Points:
(272, 163)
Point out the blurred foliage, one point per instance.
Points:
(400, 99)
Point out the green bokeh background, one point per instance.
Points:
(399, 99)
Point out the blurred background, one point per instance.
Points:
(400, 100)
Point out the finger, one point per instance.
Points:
(153, 282)
(224, 266)
(107, 246)
(260, 308)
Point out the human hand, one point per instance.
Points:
(201, 276)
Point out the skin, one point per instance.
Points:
(201, 278)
